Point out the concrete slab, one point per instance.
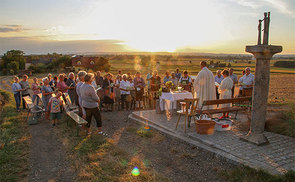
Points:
(276, 158)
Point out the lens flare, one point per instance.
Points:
(135, 171)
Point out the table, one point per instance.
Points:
(170, 99)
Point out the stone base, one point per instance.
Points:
(257, 139)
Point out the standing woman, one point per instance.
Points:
(16, 88)
(81, 75)
(139, 85)
(61, 85)
(108, 88)
(155, 82)
(25, 86)
(36, 90)
(225, 90)
(46, 93)
(90, 102)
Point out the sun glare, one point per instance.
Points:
(147, 26)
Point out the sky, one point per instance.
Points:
(86, 26)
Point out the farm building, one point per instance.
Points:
(83, 62)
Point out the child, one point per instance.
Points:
(54, 104)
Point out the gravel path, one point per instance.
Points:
(48, 160)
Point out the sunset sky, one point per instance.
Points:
(79, 26)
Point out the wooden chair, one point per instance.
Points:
(139, 100)
(188, 110)
(152, 99)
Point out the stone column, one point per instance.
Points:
(263, 54)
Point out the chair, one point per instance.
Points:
(153, 95)
(139, 99)
(188, 110)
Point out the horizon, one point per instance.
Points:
(110, 26)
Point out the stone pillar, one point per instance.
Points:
(263, 54)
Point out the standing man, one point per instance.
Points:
(25, 86)
(234, 78)
(218, 79)
(204, 85)
(177, 74)
(247, 82)
(98, 79)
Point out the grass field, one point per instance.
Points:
(14, 142)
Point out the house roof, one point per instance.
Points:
(86, 62)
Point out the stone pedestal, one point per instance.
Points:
(263, 54)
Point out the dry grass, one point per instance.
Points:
(97, 158)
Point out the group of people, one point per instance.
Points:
(93, 92)
(222, 86)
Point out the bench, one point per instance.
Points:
(71, 113)
(69, 103)
(34, 110)
(239, 103)
(79, 121)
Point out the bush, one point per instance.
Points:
(285, 64)
(38, 68)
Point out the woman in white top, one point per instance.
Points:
(225, 90)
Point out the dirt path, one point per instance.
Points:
(48, 161)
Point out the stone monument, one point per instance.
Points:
(263, 53)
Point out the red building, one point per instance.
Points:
(83, 62)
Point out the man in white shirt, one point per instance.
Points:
(204, 85)
(125, 91)
(247, 81)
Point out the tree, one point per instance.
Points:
(16, 56)
(38, 68)
(102, 64)
(13, 67)
(65, 60)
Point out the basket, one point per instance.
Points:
(205, 127)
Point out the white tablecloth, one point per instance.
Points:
(168, 99)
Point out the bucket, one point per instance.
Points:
(223, 124)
